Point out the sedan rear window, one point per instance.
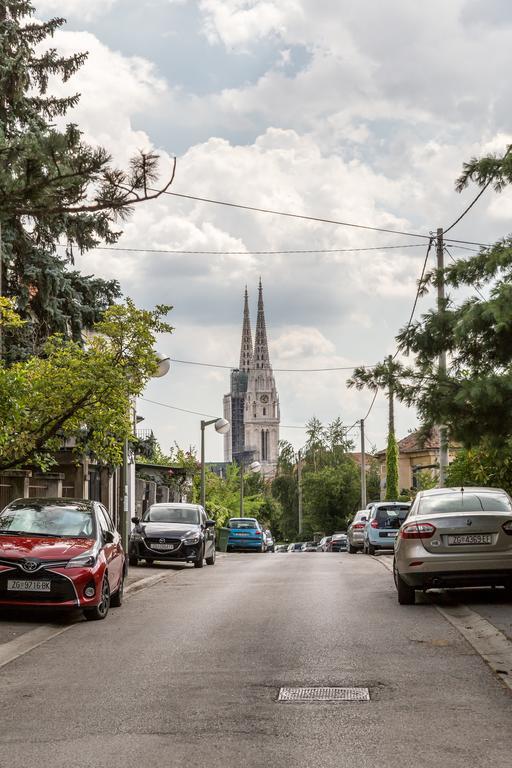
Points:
(170, 514)
(464, 502)
(34, 519)
(242, 523)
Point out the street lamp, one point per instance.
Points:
(222, 426)
(254, 467)
(163, 367)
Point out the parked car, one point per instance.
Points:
(309, 546)
(382, 525)
(269, 541)
(455, 537)
(295, 546)
(60, 553)
(173, 532)
(338, 543)
(355, 531)
(322, 544)
(281, 548)
(245, 534)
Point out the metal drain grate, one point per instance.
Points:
(324, 694)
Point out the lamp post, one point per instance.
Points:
(254, 467)
(221, 426)
(163, 367)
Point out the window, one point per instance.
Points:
(264, 411)
(110, 524)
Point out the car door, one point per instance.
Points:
(209, 535)
(112, 549)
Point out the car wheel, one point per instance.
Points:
(371, 549)
(199, 563)
(116, 600)
(211, 560)
(352, 550)
(100, 611)
(133, 560)
(406, 594)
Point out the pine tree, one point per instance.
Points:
(53, 188)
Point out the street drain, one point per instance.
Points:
(324, 694)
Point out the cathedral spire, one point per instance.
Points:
(246, 345)
(261, 356)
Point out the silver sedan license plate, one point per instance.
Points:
(27, 585)
(470, 538)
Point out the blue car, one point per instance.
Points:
(381, 528)
(245, 534)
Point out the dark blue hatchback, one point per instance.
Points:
(245, 534)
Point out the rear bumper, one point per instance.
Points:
(451, 579)
(244, 544)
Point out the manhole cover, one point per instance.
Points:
(324, 694)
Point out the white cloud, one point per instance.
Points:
(83, 9)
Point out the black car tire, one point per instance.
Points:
(116, 600)
(211, 560)
(352, 550)
(133, 560)
(406, 594)
(100, 611)
(199, 563)
(371, 549)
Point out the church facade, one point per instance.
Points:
(252, 404)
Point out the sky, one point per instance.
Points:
(351, 110)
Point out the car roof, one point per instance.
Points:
(54, 502)
(459, 489)
(175, 504)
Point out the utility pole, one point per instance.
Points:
(299, 479)
(443, 438)
(363, 467)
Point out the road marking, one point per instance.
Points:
(489, 642)
(13, 649)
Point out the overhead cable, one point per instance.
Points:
(277, 370)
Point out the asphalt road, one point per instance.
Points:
(188, 671)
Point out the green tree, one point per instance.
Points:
(331, 496)
(54, 188)
(79, 392)
(473, 397)
(392, 468)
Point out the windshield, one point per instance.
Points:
(242, 522)
(391, 517)
(170, 514)
(29, 519)
(464, 502)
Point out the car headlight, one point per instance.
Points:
(191, 540)
(136, 537)
(82, 561)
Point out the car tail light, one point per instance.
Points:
(507, 527)
(417, 531)
(374, 524)
(358, 526)
(258, 533)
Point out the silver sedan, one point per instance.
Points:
(454, 537)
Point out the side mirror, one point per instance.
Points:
(108, 537)
(210, 524)
(136, 520)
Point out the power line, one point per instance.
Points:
(277, 370)
(249, 253)
(418, 290)
(293, 215)
(304, 217)
(371, 405)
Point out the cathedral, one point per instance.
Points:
(252, 405)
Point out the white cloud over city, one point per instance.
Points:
(360, 112)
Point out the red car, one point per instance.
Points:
(60, 553)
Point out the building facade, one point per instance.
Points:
(252, 405)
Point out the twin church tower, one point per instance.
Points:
(252, 405)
